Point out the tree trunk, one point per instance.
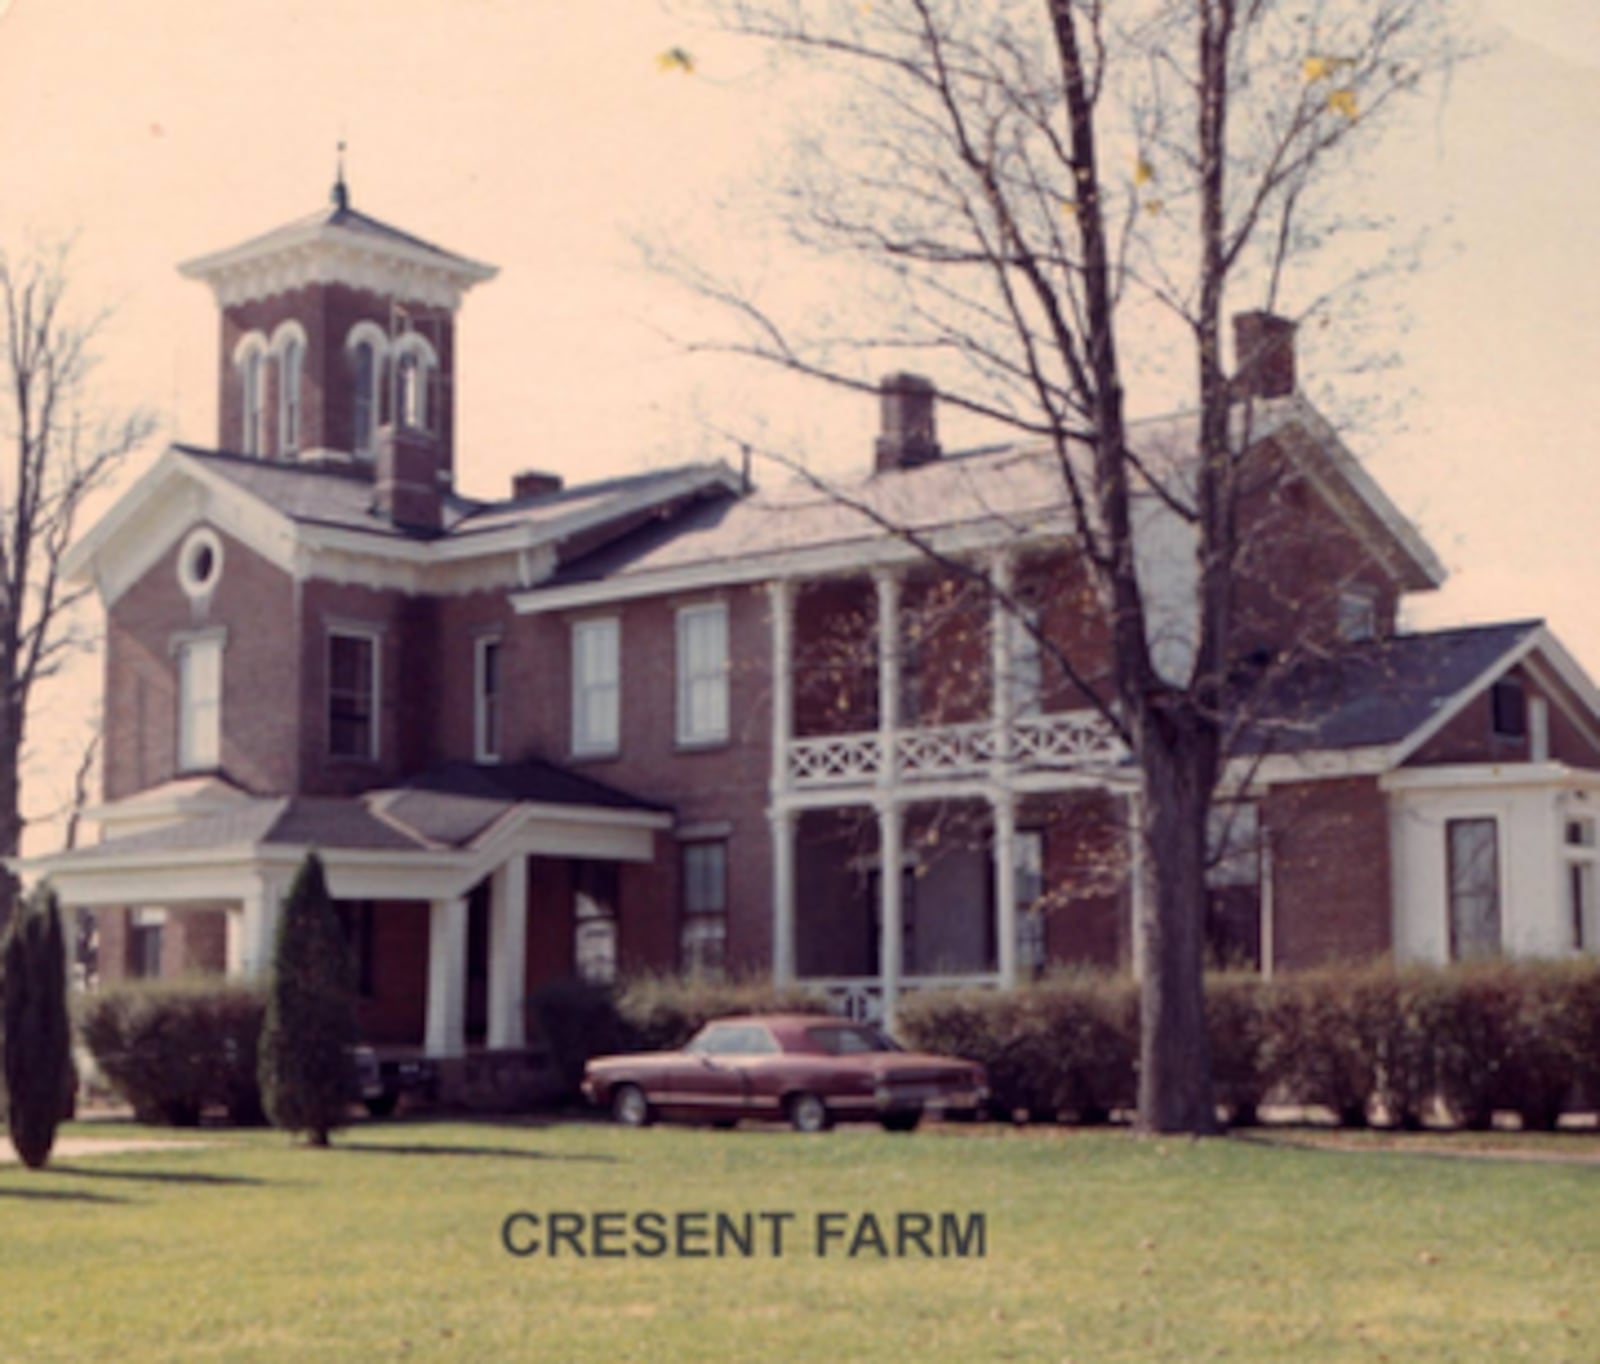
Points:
(1175, 1092)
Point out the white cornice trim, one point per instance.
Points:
(320, 252)
(1477, 776)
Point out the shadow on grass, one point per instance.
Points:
(155, 1176)
(61, 1195)
(372, 1148)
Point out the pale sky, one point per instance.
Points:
(542, 138)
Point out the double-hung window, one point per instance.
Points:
(353, 683)
(199, 702)
(705, 907)
(596, 686)
(289, 366)
(703, 674)
(1472, 868)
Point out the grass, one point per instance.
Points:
(1100, 1247)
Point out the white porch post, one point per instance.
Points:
(1005, 886)
(891, 907)
(252, 933)
(781, 596)
(508, 945)
(783, 896)
(891, 849)
(1139, 872)
(447, 978)
(1002, 628)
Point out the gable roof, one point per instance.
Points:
(961, 500)
(306, 516)
(1385, 692)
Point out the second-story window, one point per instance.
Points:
(352, 694)
(364, 395)
(703, 674)
(596, 686)
(486, 689)
(199, 703)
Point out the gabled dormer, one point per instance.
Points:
(334, 329)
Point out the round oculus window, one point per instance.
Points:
(200, 562)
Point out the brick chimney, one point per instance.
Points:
(531, 483)
(1263, 352)
(407, 478)
(908, 437)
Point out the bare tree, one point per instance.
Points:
(60, 450)
(1060, 197)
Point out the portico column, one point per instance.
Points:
(891, 835)
(508, 962)
(447, 978)
(1005, 886)
(891, 907)
(252, 939)
(780, 595)
(783, 895)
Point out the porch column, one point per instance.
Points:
(508, 945)
(1005, 886)
(447, 978)
(252, 933)
(891, 907)
(1139, 874)
(780, 595)
(1002, 628)
(783, 895)
(888, 585)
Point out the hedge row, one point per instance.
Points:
(1371, 1042)
(647, 1013)
(174, 1049)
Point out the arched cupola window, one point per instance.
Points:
(415, 365)
(366, 348)
(289, 346)
(249, 360)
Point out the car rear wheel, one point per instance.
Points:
(901, 1122)
(630, 1107)
(807, 1113)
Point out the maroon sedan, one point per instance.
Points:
(807, 1068)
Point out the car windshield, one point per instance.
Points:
(851, 1039)
(732, 1039)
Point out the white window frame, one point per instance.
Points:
(249, 358)
(597, 691)
(705, 906)
(487, 705)
(702, 685)
(1027, 867)
(368, 397)
(1452, 935)
(199, 669)
(413, 355)
(374, 640)
(289, 349)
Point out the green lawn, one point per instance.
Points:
(1098, 1247)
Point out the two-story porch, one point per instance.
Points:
(924, 734)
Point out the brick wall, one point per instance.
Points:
(1330, 871)
(255, 602)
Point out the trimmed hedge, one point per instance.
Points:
(1365, 1042)
(174, 1049)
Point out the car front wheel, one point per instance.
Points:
(807, 1113)
(630, 1107)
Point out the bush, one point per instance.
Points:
(1235, 1024)
(1325, 1035)
(172, 1049)
(37, 1079)
(575, 1021)
(1068, 1043)
(661, 1012)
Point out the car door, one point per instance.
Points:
(713, 1083)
